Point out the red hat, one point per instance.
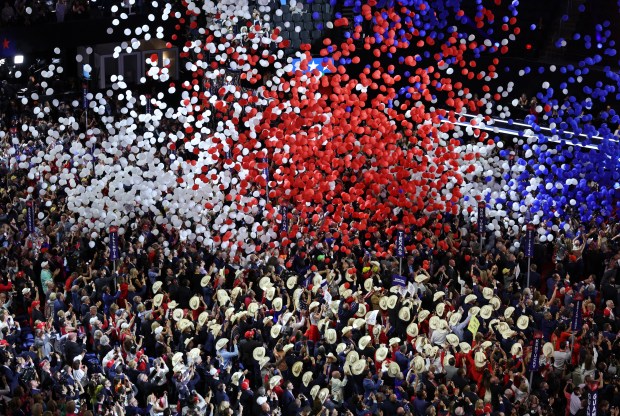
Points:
(4, 343)
(249, 334)
(245, 385)
(110, 364)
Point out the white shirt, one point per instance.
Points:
(560, 358)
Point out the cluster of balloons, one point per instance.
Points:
(375, 144)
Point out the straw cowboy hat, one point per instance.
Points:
(368, 284)
(291, 282)
(438, 295)
(358, 367)
(274, 381)
(277, 304)
(423, 314)
(420, 343)
(287, 348)
(548, 349)
(313, 305)
(297, 368)
(474, 311)
(452, 339)
(363, 342)
(486, 344)
(157, 300)
(270, 293)
(331, 336)
(383, 303)
(352, 356)
(177, 314)
(307, 378)
(235, 292)
(156, 286)
(253, 308)
(516, 349)
(393, 369)
(523, 322)
(222, 297)
(323, 394)
(381, 353)
(346, 330)
(275, 330)
(358, 323)
(221, 343)
(465, 347)
(202, 318)
(314, 391)
(508, 333)
(486, 311)
(470, 298)
(508, 312)
(215, 329)
(433, 323)
(487, 293)
(340, 348)
(418, 364)
(440, 309)
(404, 314)
(263, 362)
(361, 311)
(264, 283)
(495, 302)
(194, 302)
(455, 318)
(234, 379)
(177, 358)
(480, 359)
(412, 330)
(446, 359)
(258, 353)
(394, 341)
(205, 280)
(392, 300)
(421, 278)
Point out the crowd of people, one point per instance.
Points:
(176, 328)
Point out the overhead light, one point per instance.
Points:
(19, 59)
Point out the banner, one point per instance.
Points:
(114, 252)
(398, 280)
(30, 216)
(577, 312)
(84, 95)
(315, 63)
(529, 240)
(592, 400)
(482, 217)
(148, 107)
(400, 244)
(473, 326)
(536, 346)
(284, 222)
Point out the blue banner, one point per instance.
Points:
(398, 280)
(482, 217)
(84, 95)
(529, 240)
(30, 216)
(114, 250)
(149, 106)
(314, 63)
(535, 358)
(592, 400)
(400, 244)
(577, 312)
(284, 222)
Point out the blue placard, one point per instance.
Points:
(84, 96)
(398, 280)
(284, 222)
(592, 400)
(114, 250)
(482, 217)
(30, 216)
(577, 312)
(529, 240)
(535, 358)
(400, 244)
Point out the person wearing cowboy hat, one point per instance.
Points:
(224, 356)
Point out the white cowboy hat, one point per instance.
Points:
(452, 339)
(368, 284)
(394, 341)
(177, 358)
(363, 342)
(274, 381)
(287, 348)
(156, 286)
(194, 302)
(297, 368)
(234, 379)
(221, 343)
(455, 318)
(346, 330)
(412, 329)
(470, 298)
(358, 367)
(340, 348)
(465, 347)
(474, 310)
(263, 362)
(548, 349)
(323, 394)
(486, 344)
(446, 359)
(421, 278)
(438, 295)
(523, 322)
(177, 314)
(508, 312)
(495, 302)
(331, 336)
(172, 304)
(205, 280)
(516, 350)
(307, 378)
(264, 283)
(157, 300)
(314, 391)
(393, 369)
(418, 364)
(275, 330)
(423, 314)
(277, 304)
(215, 329)
(392, 300)
(291, 282)
(202, 318)
(440, 309)
(381, 353)
(313, 305)
(361, 310)
(404, 314)
(358, 323)
(383, 303)
(433, 323)
(480, 359)
(487, 293)
(258, 353)
(253, 308)
(486, 311)
(352, 356)
(270, 293)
